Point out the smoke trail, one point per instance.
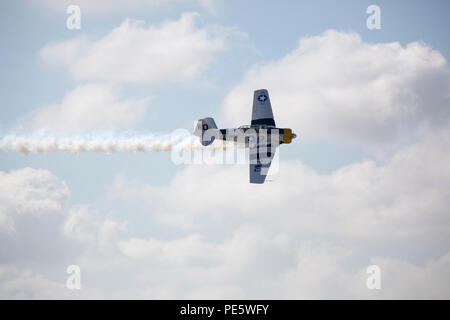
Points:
(104, 143)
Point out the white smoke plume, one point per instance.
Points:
(104, 143)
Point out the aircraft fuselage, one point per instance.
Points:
(246, 134)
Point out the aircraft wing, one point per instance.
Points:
(262, 109)
(260, 160)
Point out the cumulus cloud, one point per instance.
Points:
(304, 235)
(89, 107)
(251, 264)
(325, 265)
(97, 237)
(336, 87)
(324, 229)
(174, 51)
(29, 191)
(25, 284)
(412, 280)
(404, 199)
(20, 284)
(316, 243)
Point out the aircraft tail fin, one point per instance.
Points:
(206, 129)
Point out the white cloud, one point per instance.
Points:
(411, 280)
(305, 235)
(25, 284)
(366, 210)
(307, 239)
(336, 87)
(88, 107)
(29, 191)
(324, 265)
(263, 267)
(97, 236)
(318, 266)
(174, 51)
(404, 200)
(20, 284)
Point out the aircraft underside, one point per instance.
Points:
(262, 137)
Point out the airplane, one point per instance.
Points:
(262, 137)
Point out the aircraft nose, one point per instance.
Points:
(294, 136)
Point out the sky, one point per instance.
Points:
(367, 181)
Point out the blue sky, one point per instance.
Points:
(256, 42)
(273, 29)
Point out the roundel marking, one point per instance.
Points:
(262, 98)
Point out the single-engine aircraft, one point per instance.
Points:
(262, 137)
